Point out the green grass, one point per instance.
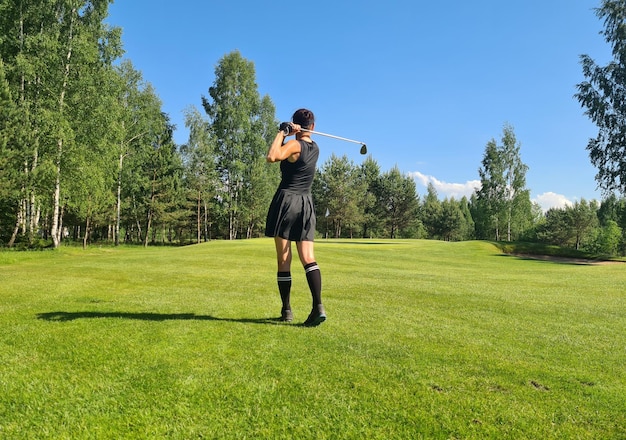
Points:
(424, 339)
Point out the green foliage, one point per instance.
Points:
(424, 339)
(398, 202)
(54, 50)
(571, 226)
(452, 220)
(373, 224)
(503, 200)
(86, 153)
(261, 177)
(603, 95)
(240, 124)
(606, 240)
(200, 177)
(339, 191)
(490, 196)
(7, 121)
(432, 212)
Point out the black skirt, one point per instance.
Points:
(291, 216)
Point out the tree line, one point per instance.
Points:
(87, 155)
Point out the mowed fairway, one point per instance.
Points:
(424, 339)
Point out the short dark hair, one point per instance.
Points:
(303, 117)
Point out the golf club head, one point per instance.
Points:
(363, 149)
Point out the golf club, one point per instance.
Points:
(286, 128)
(363, 146)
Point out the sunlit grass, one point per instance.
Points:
(424, 339)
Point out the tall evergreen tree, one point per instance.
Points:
(452, 222)
(162, 170)
(432, 212)
(467, 228)
(398, 202)
(370, 174)
(135, 121)
(339, 192)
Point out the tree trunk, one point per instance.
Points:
(149, 221)
(118, 207)
(148, 225)
(508, 222)
(207, 237)
(199, 218)
(33, 207)
(87, 229)
(497, 230)
(55, 231)
(16, 230)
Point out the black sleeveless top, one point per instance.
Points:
(297, 177)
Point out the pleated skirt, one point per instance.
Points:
(291, 216)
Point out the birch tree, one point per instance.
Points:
(137, 120)
(55, 48)
(490, 197)
(234, 109)
(516, 196)
(503, 198)
(199, 165)
(603, 95)
(261, 178)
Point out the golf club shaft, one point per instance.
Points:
(333, 136)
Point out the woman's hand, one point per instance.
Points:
(290, 128)
(295, 128)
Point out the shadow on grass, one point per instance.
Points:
(72, 316)
(350, 242)
(555, 260)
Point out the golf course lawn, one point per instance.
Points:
(424, 339)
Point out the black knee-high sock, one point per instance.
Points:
(284, 287)
(314, 278)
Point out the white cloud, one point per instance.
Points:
(445, 189)
(546, 200)
(552, 200)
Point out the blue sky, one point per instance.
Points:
(426, 85)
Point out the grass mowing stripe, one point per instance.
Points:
(424, 340)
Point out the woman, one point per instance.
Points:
(291, 216)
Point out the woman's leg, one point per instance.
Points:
(305, 252)
(283, 276)
(314, 279)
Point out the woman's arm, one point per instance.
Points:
(279, 151)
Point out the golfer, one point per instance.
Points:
(291, 215)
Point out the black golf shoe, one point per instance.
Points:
(317, 316)
(286, 315)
